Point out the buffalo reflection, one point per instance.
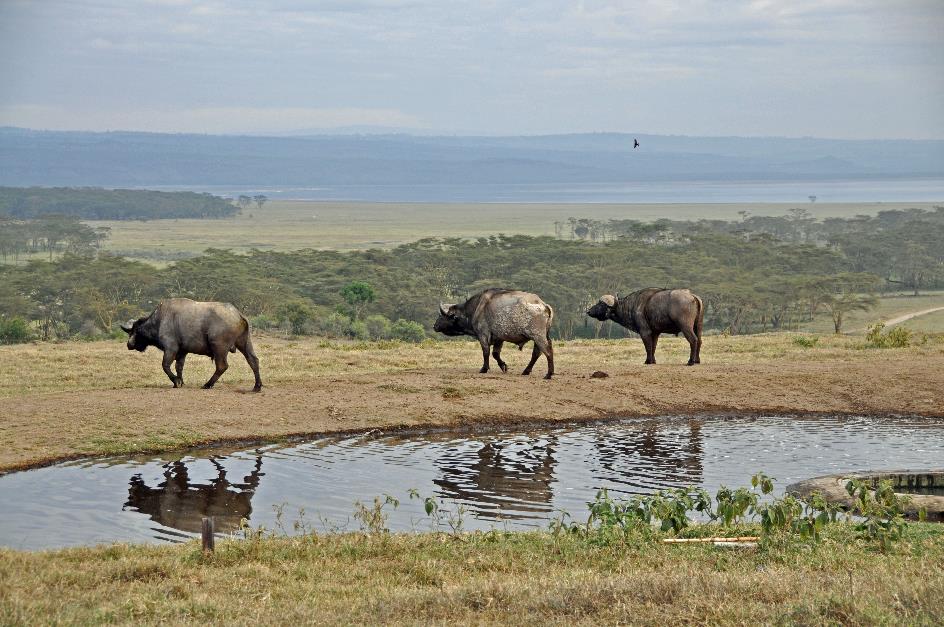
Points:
(651, 456)
(516, 475)
(179, 503)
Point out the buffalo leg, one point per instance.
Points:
(220, 359)
(649, 341)
(484, 344)
(693, 343)
(496, 353)
(179, 367)
(535, 353)
(245, 347)
(169, 358)
(542, 346)
(548, 349)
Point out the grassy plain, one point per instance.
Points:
(73, 399)
(482, 578)
(292, 225)
(889, 306)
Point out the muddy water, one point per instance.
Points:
(516, 478)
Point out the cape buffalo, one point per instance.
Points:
(181, 326)
(496, 316)
(652, 311)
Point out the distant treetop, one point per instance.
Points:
(95, 203)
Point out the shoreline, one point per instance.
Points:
(117, 403)
(485, 426)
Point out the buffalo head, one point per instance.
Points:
(138, 339)
(450, 321)
(604, 308)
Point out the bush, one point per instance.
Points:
(263, 322)
(297, 315)
(14, 331)
(805, 342)
(378, 327)
(358, 330)
(335, 325)
(407, 331)
(899, 337)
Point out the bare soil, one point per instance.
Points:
(41, 427)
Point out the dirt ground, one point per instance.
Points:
(122, 405)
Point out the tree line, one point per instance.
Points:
(95, 203)
(48, 235)
(751, 277)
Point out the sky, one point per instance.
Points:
(852, 69)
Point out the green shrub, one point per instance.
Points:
(378, 327)
(407, 331)
(899, 337)
(297, 315)
(14, 331)
(805, 342)
(263, 322)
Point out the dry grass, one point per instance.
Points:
(40, 368)
(480, 578)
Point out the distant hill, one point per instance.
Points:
(92, 203)
(120, 159)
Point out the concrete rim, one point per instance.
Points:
(833, 489)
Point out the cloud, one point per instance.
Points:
(794, 66)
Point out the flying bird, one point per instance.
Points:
(635, 143)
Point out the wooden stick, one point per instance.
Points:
(206, 532)
(685, 540)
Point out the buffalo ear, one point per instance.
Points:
(128, 326)
(444, 308)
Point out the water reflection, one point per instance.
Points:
(520, 476)
(651, 455)
(181, 503)
(504, 478)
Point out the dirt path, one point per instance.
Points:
(908, 316)
(38, 428)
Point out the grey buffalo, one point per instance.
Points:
(653, 311)
(180, 326)
(496, 316)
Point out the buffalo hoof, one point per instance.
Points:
(692, 363)
(526, 373)
(483, 370)
(548, 377)
(207, 386)
(257, 388)
(504, 367)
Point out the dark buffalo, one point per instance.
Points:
(653, 311)
(181, 326)
(496, 316)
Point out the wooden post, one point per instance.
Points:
(206, 530)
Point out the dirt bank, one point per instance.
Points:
(383, 387)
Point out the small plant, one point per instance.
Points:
(451, 393)
(455, 519)
(734, 505)
(374, 519)
(806, 342)
(881, 511)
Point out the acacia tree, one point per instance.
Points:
(358, 294)
(850, 292)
